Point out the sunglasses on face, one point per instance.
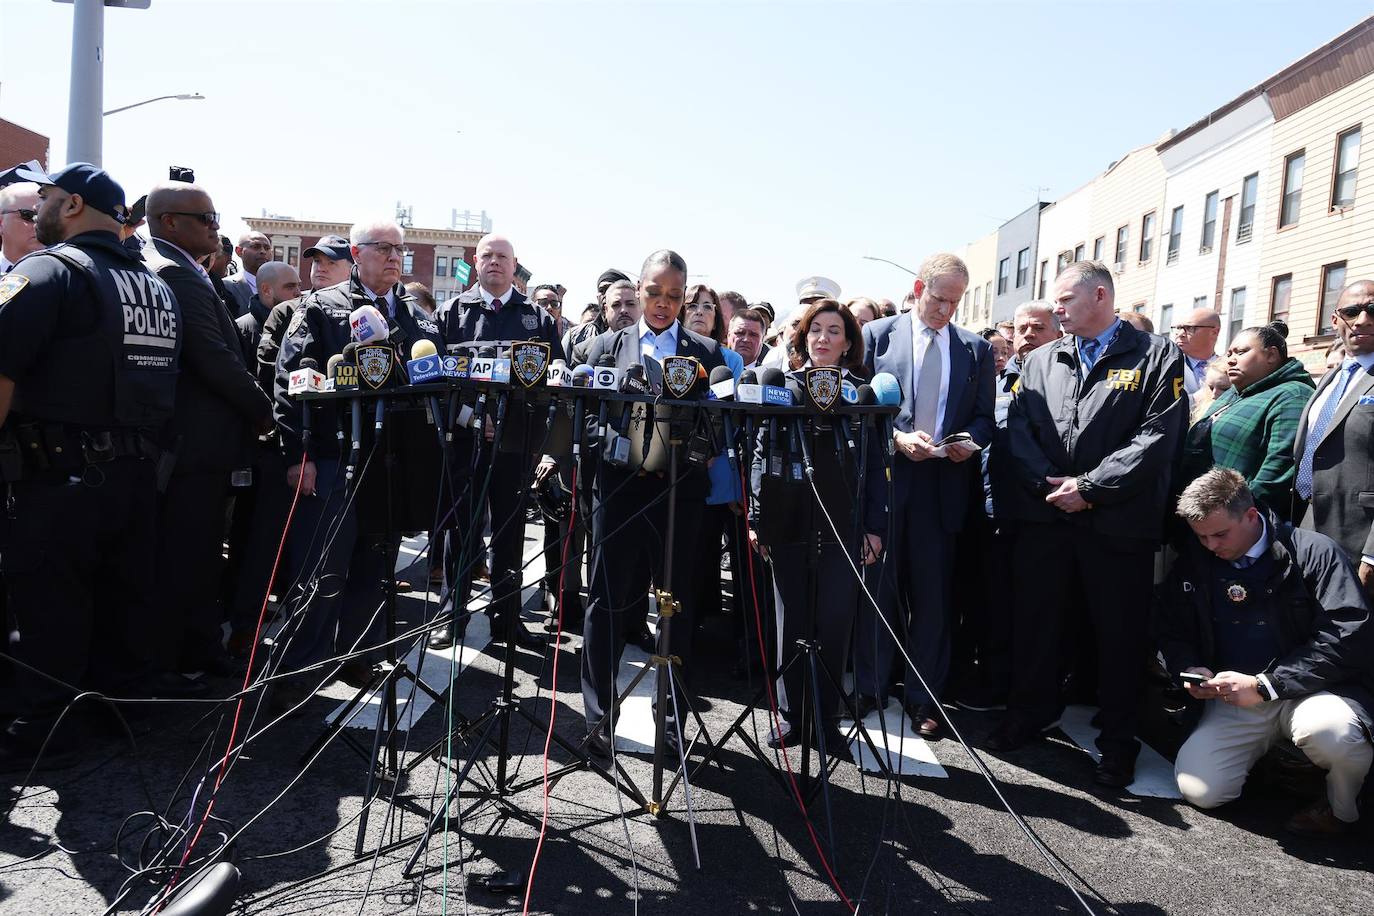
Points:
(206, 218)
(1351, 312)
(25, 214)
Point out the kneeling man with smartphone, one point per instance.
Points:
(1268, 626)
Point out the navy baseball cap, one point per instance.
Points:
(93, 185)
(334, 247)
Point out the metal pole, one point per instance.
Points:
(84, 137)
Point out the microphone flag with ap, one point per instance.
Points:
(559, 376)
(425, 364)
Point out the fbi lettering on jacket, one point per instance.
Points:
(1123, 379)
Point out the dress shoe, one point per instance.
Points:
(1319, 822)
(403, 586)
(776, 740)
(1013, 734)
(672, 748)
(982, 699)
(524, 639)
(356, 673)
(1116, 770)
(866, 704)
(447, 637)
(598, 753)
(836, 745)
(925, 719)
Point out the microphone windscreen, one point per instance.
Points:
(332, 367)
(582, 376)
(866, 396)
(368, 324)
(606, 359)
(422, 348)
(350, 352)
(486, 353)
(722, 374)
(886, 389)
(310, 362)
(772, 376)
(748, 377)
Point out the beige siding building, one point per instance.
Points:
(1319, 234)
(975, 312)
(1127, 203)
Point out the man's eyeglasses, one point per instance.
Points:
(1193, 328)
(25, 214)
(209, 219)
(1351, 312)
(386, 249)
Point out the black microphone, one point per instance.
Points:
(618, 448)
(581, 378)
(747, 378)
(605, 361)
(350, 359)
(774, 461)
(722, 376)
(479, 409)
(800, 439)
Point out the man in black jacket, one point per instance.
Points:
(219, 409)
(1277, 623)
(1094, 432)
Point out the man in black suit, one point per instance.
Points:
(1094, 431)
(625, 563)
(946, 376)
(494, 314)
(1335, 444)
(219, 408)
(254, 250)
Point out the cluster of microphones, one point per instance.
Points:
(370, 359)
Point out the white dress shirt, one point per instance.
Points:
(919, 346)
(252, 281)
(492, 301)
(388, 297)
(657, 344)
(204, 274)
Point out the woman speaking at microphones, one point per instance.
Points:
(815, 589)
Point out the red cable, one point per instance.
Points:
(553, 692)
(247, 679)
(773, 710)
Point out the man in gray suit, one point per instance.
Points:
(1336, 435)
(254, 250)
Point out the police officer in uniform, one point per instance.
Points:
(624, 564)
(90, 343)
(337, 614)
(494, 313)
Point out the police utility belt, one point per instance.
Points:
(32, 449)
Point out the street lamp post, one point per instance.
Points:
(869, 257)
(181, 96)
(84, 128)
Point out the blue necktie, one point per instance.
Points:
(1089, 348)
(1303, 484)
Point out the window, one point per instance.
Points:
(1123, 237)
(1333, 281)
(408, 263)
(1200, 302)
(1236, 316)
(1209, 221)
(1249, 190)
(441, 267)
(456, 268)
(1166, 318)
(966, 298)
(277, 253)
(1022, 267)
(1347, 165)
(1003, 275)
(1147, 237)
(1279, 297)
(1044, 279)
(293, 255)
(1078, 251)
(1292, 188)
(1175, 235)
(1099, 245)
(987, 294)
(1064, 260)
(977, 298)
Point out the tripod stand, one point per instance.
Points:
(493, 727)
(811, 713)
(382, 753)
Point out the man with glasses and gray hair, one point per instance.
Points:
(18, 210)
(341, 616)
(1197, 338)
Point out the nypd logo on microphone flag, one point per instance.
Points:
(150, 319)
(374, 364)
(531, 361)
(680, 374)
(823, 386)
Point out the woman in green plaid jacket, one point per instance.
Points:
(1251, 427)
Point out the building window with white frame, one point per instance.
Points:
(1293, 165)
(1236, 315)
(1209, 222)
(1175, 235)
(1347, 169)
(1147, 237)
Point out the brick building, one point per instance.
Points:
(19, 144)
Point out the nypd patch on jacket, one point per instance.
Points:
(1118, 430)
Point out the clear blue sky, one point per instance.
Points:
(764, 141)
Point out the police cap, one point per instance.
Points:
(93, 185)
